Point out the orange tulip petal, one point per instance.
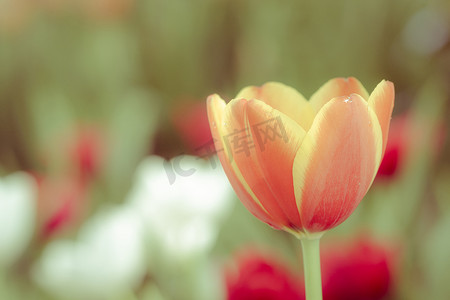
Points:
(277, 139)
(336, 162)
(382, 102)
(216, 108)
(284, 99)
(240, 150)
(335, 88)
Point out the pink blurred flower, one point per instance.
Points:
(86, 151)
(406, 133)
(190, 120)
(397, 146)
(362, 269)
(61, 204)
(63, 191)
(260, 277)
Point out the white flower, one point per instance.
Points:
(179, 218)
(183, 202)
(17, 216)
(106, 262)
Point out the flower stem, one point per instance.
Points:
(311, 264)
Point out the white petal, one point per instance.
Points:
(176, 196)
(17, 215)
(105, 262)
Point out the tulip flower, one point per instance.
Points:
(362, 268)
(302, 166)
(258, 276)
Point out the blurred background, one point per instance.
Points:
(95, 93)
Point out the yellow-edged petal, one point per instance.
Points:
(244, 149)
(336, 162)
(216, 107)
(382, 103)
(284, 99)
(337, 87)
(277, 139)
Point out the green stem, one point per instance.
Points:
(311, 264)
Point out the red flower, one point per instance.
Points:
(63, 192)
(86, 151)
(397, 146)
(361, 270)
(259, 277)
(191, 122)
(61, 204)
(406, 133)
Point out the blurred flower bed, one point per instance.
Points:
(109, 186)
